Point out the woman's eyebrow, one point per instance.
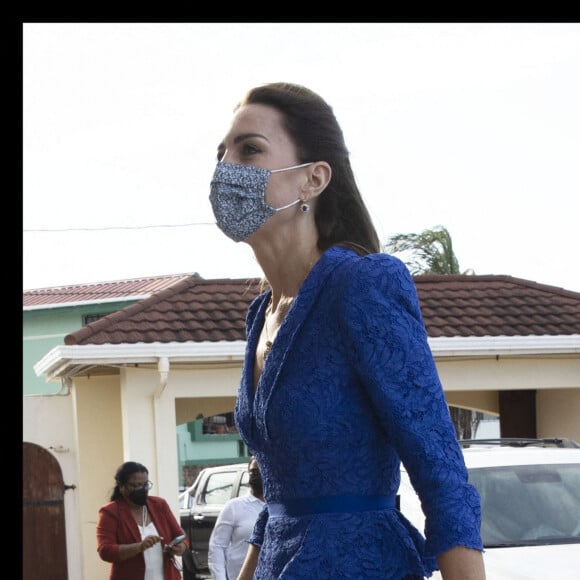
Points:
(244, 136)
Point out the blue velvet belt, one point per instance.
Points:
(332, 503)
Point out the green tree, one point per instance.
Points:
(431, 252)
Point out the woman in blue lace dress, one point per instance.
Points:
(338, 385)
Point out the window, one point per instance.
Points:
(222, 424)
(219, 487)
(88, 318)
(525, 504)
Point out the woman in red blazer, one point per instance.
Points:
(134, 530)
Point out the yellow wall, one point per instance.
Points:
(484, 401)
(474, 383)
(99, 425)
(509, 373)
(558, 413)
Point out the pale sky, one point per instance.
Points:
(475, 127)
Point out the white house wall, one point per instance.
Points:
(138, 387)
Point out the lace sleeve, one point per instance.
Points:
(257, 536)
(387, 340)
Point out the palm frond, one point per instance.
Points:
(430, 252)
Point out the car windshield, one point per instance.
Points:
(219, 487)
(525, 505)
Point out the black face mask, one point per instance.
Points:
(139, 496)
(255, 482)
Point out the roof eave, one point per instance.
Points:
(456, 346)
(96, 301)
(61, 360)
(67, 361)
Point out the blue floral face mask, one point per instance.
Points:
(237, 196)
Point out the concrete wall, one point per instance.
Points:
(99, 426)
(556, 379)
(509, 373)
(558, 413)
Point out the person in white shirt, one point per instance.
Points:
(228, 542)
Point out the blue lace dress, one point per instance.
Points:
(348, 391)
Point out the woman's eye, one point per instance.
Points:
(244, 150)
(249, 149)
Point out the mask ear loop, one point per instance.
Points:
(304, 208)
(286, 206)
(292, 167)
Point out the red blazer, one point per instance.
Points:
(117, 526)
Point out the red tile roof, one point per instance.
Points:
(201, 310)
(463, 305)
(194, 309)
(120, 290)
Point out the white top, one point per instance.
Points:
(153, 556)
(228, 541)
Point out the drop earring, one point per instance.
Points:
(304, 207)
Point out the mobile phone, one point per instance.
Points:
(176, 541)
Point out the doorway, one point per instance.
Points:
(43, 521)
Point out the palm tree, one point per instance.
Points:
(431, 252)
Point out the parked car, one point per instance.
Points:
(199, 507)
(530, 496)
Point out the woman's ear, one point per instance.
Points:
(319, 176)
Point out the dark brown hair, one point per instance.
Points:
(124, 472)
(341, 215)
